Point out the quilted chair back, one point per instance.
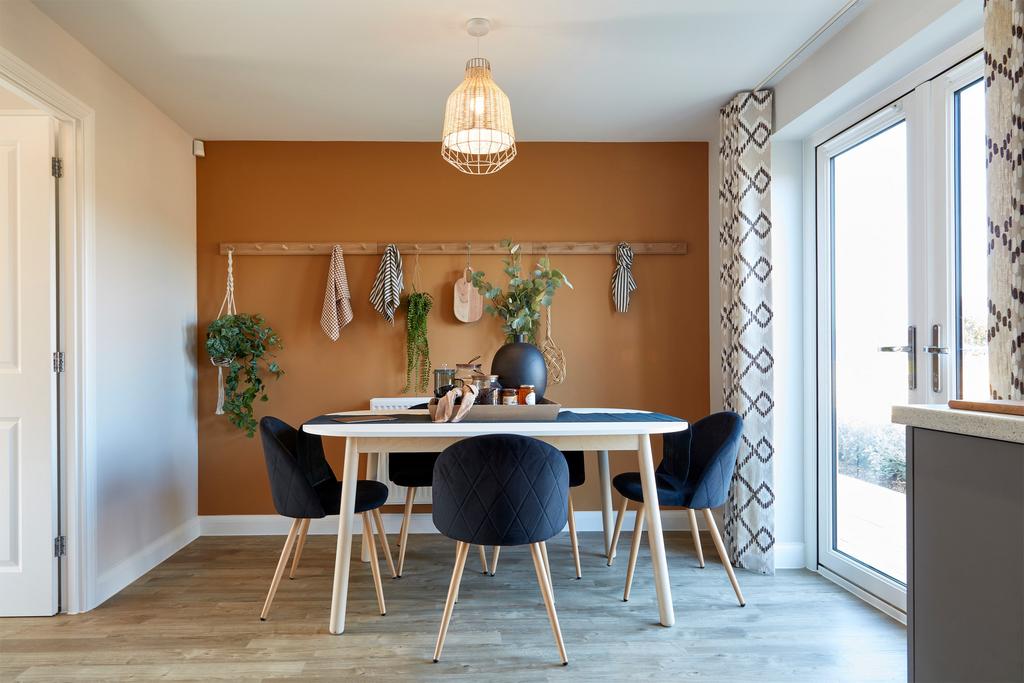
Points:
(292, 461)
(714, 444)
(501, 489)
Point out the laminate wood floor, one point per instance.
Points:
(195, 617)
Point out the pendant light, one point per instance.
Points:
(477, 137)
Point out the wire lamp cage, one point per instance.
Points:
(478, 137)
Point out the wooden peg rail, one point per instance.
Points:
(444, 248)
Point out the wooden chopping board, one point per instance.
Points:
(469, 303)
(1002, 407)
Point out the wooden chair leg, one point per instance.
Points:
(494, 560)
(461, 553)
(573, 540)
(406, 518)
(547, 593)
(695, 532)
(483, 560)
(618, 529)
(282, 563)
(371, 543)
(458, 549)
(716, 537)
(379, 521)
(547, 566)
(634, 551)
(303, 528)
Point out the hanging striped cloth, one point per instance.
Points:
(386, 294)
(623, 283)
(337, 301)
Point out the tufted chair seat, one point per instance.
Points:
(501, 490)
(303, 487)
(695, 472)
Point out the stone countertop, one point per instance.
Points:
(941, 417)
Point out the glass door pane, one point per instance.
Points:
(870, 311)
(972, 238)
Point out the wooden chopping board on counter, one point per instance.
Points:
(1001, 407)
(469, 303)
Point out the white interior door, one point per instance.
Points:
(28, 384)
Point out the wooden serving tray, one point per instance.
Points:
(1001, 407)
(544, 411)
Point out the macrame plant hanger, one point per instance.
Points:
(227, 306)
(554, 357)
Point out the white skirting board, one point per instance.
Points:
(787, 555)
(113, 580)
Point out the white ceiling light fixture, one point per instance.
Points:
(478, 137)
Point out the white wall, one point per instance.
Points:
(142, 407)
(883, 43)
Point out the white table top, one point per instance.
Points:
(468, 429)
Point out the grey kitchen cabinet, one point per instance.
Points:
(965, 545)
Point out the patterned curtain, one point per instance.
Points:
(1004, 139)
(747, 361)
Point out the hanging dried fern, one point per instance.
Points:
(417, 348)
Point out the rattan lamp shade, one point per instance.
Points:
(478, 137)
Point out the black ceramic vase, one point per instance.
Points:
(521, 363)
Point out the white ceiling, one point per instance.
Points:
(595, 70)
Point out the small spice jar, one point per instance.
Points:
(509, 397)
(527, 395)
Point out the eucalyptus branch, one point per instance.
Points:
(518, 308)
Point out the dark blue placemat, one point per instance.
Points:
(569, 416)
(564, 416)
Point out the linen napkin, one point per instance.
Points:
(447, 411)
(337, 302)
(386, 294)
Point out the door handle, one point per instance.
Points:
(936, 350)
(910, 348)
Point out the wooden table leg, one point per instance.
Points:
(654, 536)
(371, 473)
(346, 517)
(604, 472)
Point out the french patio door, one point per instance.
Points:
(900, 307)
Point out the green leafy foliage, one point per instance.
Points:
(519, 307)
(249, 344)
(873, 453)
(417, 348)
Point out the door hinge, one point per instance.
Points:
(60, 546)
(58, 361)
(57, 167)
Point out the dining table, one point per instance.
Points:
(597, 430)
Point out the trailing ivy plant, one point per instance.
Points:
(244, 345)
(518, 308)
(417, 348)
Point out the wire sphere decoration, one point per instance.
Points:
(477, 136)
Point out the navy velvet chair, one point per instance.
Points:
(695, 471)
(415, 471)
(501, 489)
(304, 487)
(577, 477)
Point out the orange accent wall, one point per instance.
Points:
(655, 357)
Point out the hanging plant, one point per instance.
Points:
(243, 345)
(417, 348)
(518, 308)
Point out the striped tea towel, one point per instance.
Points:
(623, 283)
(386, 294)
(337, 302)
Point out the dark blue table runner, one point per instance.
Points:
(564, 416)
